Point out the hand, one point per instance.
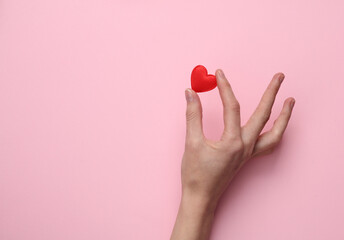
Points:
(209, 166)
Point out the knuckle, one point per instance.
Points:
(236, 146)
(191, 115)
(193, 143)
(235, 106)
(276, 136)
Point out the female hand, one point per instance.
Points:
(209, 166)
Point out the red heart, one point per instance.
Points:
(201, 81)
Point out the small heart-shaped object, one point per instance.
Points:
(201, 81)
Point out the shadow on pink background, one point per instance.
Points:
(92, 116)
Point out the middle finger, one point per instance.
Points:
(261, 115)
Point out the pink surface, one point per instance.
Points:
(92, 116)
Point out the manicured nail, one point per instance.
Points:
(188, 95)
(292, 103)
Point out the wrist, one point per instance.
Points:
(198, 204)
(195, 217)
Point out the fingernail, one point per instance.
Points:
(188, 95)
(292, 103)
(281, 78)
(221, 74)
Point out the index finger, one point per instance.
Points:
(231, 107)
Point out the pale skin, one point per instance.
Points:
(209, 166)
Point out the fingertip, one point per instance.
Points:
(221, 79)
(193, 95)
(292, 103)
(278, 78)
(288, 101)
(220, 74)
(193, 92)
(279, 74)
(188, 95)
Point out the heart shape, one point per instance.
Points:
(201, 81)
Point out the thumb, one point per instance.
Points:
(193, 115)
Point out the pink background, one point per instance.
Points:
(92, 116)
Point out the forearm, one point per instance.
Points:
(194, 219)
